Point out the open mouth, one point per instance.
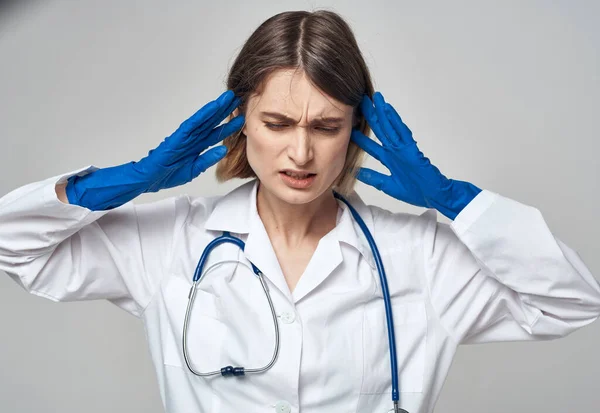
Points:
(298, 175)
(297, 180)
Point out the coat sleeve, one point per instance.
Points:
(497, 273)
(66, 252)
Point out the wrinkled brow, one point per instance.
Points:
(282, 117)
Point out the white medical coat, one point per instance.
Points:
(497, 273)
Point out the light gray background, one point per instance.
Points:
(502, 94)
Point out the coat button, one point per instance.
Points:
(283, 407)
(287, 317)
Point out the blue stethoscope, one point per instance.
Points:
(241, 371)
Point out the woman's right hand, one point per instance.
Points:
(177, 160)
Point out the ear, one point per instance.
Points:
(236, 112)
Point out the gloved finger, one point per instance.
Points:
(384, 122)
(221, 132)
(368, 111)
(202, 129)
(225, 111)
(197, 119)
(206, 112)
(208, 159)
(373, 178)
(192, 147)
(399, 126)
(367, 144)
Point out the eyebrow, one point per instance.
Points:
(282, 117)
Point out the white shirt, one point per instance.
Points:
(496, 273)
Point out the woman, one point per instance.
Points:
(300, 102)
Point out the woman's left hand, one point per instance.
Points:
(413, 178)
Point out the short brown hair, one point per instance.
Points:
(321, 44)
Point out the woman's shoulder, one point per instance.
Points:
(406, 227)
(198, 209)
(400, 229)
(397, 225)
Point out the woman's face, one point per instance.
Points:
(297, 137)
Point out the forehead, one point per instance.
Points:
(290, 92)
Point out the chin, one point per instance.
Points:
(296, 196)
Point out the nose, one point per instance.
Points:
(300, 147)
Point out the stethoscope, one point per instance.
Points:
(241, 371)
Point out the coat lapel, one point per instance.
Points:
(325, 259)
(328, 255)
(237, 213)
(260, 252)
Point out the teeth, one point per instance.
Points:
(293, 175)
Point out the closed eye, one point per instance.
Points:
(275, 125)
(280, 126)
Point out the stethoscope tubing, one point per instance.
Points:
(240, 371)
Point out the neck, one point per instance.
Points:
(293, 223)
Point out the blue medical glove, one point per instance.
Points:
(176, 161)
(413, 178)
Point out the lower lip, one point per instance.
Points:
(297, 183)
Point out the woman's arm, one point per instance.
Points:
(497, 273)
(66, 252)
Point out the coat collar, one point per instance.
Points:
(237, 213)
